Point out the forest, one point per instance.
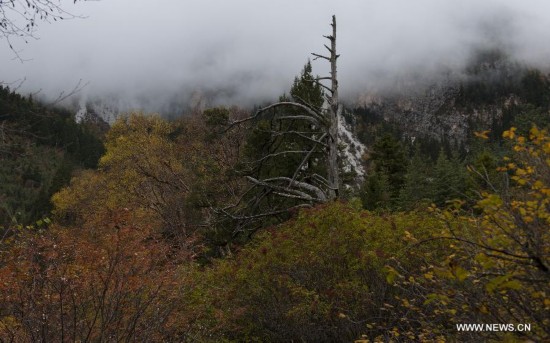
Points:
(233, 224)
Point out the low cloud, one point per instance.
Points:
(150, 55)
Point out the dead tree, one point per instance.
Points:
(321, 138)
(333, 113)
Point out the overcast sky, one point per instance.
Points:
(250, 50)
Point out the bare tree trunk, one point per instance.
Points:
(323, 139)
(333, 174)
(332, 114)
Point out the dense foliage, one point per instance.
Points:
(111, 282)
(39, 148)
(142, 246)
(320, 277)
(496, 269)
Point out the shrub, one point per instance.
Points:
(319, 277)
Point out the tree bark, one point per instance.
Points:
(333, 114)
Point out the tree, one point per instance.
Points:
(141, 170)
(319, 277)
(449, 180)
(40, 146)
(266, 137)
(535, 89)
(289, 118)
(389, 159)
(375, 192)
(496, 265)
(108, 282)
(20, 19)
(167, 174)
(418, 184)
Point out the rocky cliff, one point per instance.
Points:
(487, 95)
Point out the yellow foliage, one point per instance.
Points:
(150, 168)
(498, 258)
(482, 134)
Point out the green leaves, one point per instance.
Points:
(503, 282)
(497, 255)
(391, 274)
(460, 273)
(320, 274)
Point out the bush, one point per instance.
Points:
(319, 277)
(497, 268)
(114, 282)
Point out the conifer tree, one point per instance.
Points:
(388, 157)
(418, 183)
(449, 179)
(375, 193)
(299, 129)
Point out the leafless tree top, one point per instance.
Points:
(19, 19)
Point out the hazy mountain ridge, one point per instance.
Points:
(449, 105)
(488, 95)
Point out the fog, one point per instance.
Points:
(145, 55)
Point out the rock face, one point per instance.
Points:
(96, 111)
(93, 118)
(435, 113)
(450, 108)
(487, 95)
(352, 152)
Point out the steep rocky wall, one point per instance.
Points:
(435, 113)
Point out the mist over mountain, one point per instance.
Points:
(158, 58)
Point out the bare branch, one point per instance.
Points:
(301, 134)
(320, 84)
(14, 85)
(273, 187)
(19, 19)
(317, 56)
(267, 214)
(76, 89)
(320, 196)
(280, 153)
(317, 109)
(306, 118)
(291, 196)
(304, 160)
(306, 108)
(302, 185)
(323, 181)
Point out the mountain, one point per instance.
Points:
(491, 93)
(40, 146)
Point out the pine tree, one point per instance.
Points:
(449, 179)
(305, 91)
(418, 184)
(299, 131)
(266, 138)
(375, 193)
(388, 157)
